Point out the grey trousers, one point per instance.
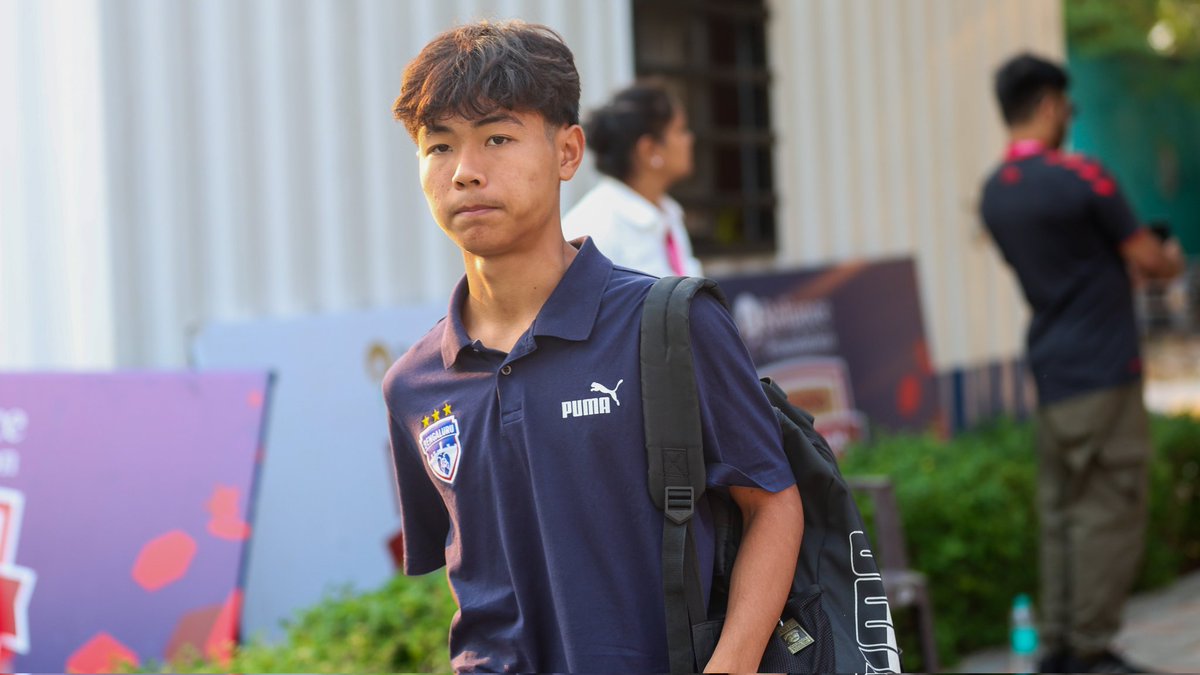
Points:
(1094, 452)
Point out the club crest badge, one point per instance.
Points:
(440, 443)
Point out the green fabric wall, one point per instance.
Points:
(1141, 118)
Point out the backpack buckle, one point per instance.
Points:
(679, 503)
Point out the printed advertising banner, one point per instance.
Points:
(847, 342)
(326, 510)
(125, 503)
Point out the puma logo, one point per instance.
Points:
(598, 405)
(597, 387)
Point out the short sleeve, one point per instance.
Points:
(423, 516)
(743, 444)
(1111, 211)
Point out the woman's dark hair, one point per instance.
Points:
(613, 130)
(475, 69)
(1022, 82)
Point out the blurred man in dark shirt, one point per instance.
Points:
(1075, 245)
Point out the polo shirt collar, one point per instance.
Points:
(569, 313)
(1021, 149)
(454, 335)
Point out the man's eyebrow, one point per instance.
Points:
(497, 118)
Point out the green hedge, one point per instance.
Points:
(401, 627)
(971, 526)
(967, 507)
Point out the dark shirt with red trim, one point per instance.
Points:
(1059, 220)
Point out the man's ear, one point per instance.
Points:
(646, 149)
(570, 143)
(1048, 107)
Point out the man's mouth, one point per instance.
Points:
(474, 209)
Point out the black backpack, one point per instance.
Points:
(837, 618)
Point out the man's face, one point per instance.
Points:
(677, 146)
(1060, 110)
(493, 183)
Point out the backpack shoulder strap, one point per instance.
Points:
(670, 403)
(674, 451)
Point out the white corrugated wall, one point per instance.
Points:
(252, 166)
(256, 168)
(887, 126)
(55, 267)
(170, 162)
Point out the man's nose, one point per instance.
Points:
(469, 171)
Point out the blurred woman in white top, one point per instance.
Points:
(643, 146)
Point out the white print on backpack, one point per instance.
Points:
(601, 405)
(439, 442)
(872, 614)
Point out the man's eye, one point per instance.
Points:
(437, 149)
(498, 140)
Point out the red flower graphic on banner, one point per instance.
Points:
(908, 395)
(191, 632)
(226, 522)
(211, 631)
(164, 560)
(102, 654)
(224, 633)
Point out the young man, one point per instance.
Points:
(516, 422)
(1065, 229)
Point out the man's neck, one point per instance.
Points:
(507, 292)
(1029, 134)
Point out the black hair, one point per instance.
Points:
(477, 68)
(1022, 82)
(613, 130)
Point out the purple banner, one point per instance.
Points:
(124, 515)
(847, 342)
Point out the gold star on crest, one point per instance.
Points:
(437, 414)
(446, 410)
(425, 421)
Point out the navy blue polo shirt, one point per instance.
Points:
(525, 473)
(1059, 220)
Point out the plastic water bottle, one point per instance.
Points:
(1023, 636)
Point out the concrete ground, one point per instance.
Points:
(1161, 633)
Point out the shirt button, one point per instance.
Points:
(506, 370)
